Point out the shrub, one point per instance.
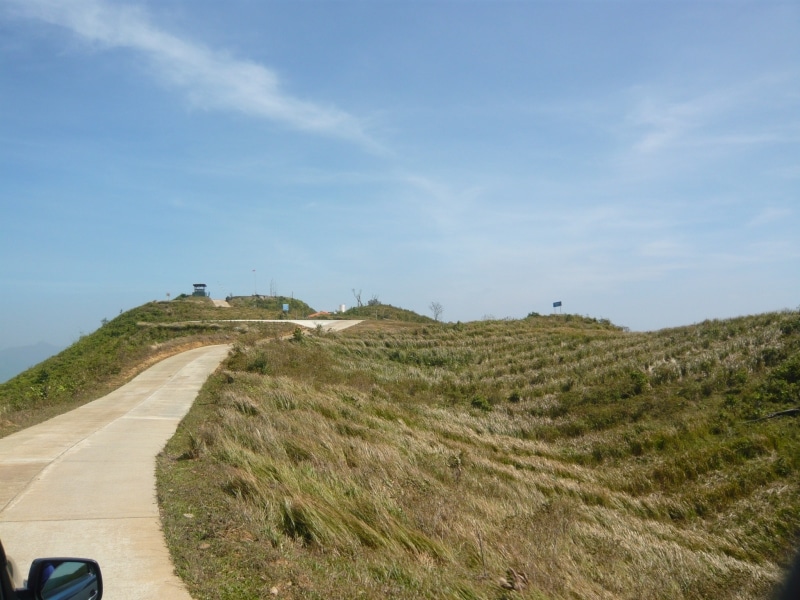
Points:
(481, 403)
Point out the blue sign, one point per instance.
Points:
(556, 304)
(285, 308)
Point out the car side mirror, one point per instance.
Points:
(63, 579)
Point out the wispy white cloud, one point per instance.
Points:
(770, 215)
(749, 113)
(453, 210)
(663, 123)
(211, 79)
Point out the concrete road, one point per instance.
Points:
(83, 484)
(327, 325)
(332, 325)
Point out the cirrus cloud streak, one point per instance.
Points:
(211, 79)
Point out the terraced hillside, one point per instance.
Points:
(551, 457)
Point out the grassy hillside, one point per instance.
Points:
(118, 350)
(272, 306)
(384, 312)
(552, 457)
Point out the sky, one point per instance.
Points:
(636, 160)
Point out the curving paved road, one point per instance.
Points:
(327, 325)
(332, 325)
(83, 483)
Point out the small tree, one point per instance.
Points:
(437, 309)
(374, 301)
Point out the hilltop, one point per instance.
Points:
(547, 457)
(122, 347)
(385, 312)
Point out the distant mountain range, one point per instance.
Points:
(14, 361)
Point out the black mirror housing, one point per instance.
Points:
(63, 579)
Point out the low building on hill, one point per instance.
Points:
(199, 290)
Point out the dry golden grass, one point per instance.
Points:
(545, 458)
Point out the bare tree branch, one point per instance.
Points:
(357, 297)
(437, 309)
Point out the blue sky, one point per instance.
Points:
(636, 160)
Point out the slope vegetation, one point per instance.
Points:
(105, 359)
(552, 457)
